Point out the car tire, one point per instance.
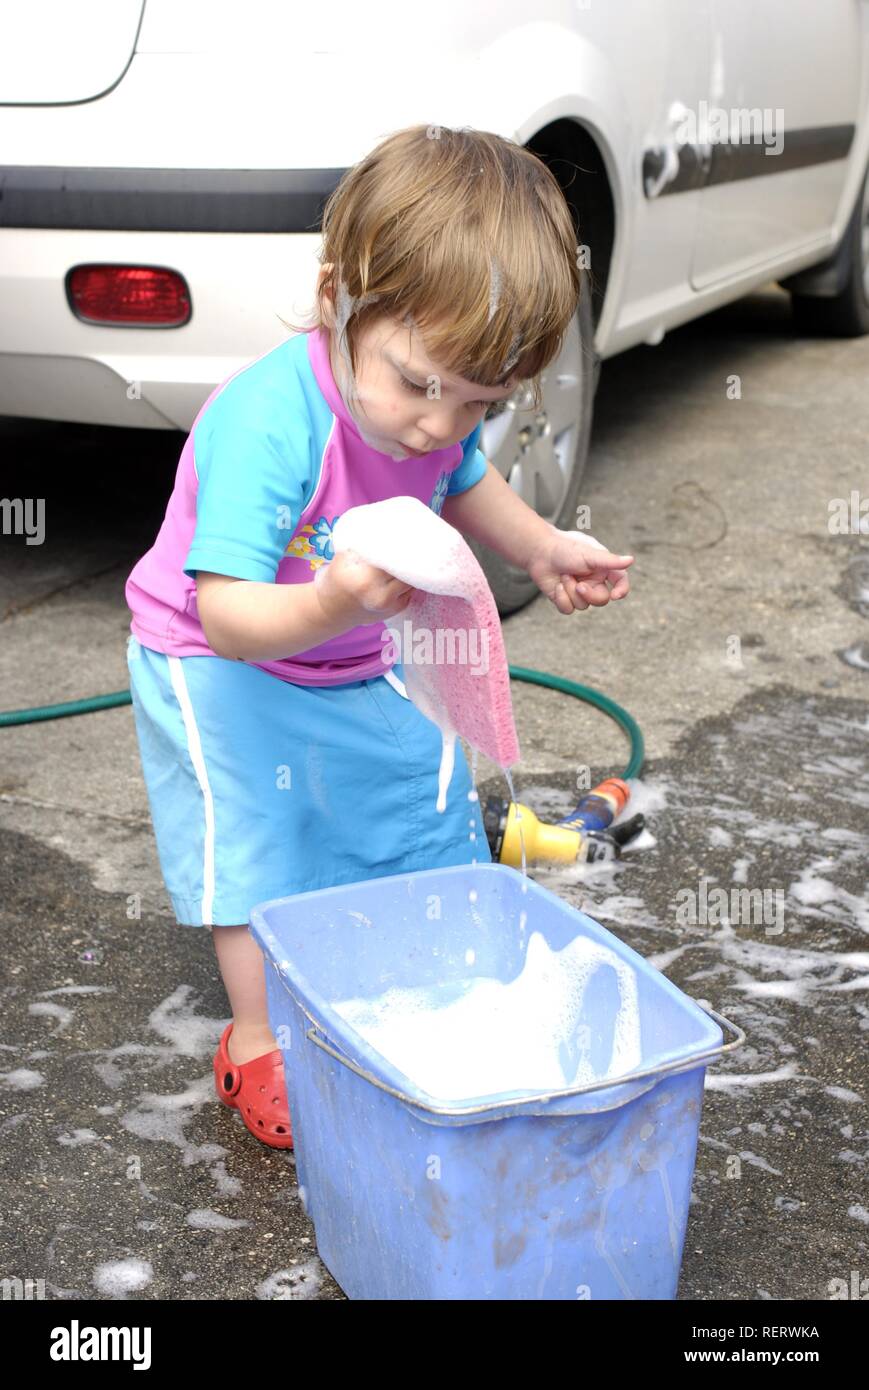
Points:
(544, 457)
(845, 315)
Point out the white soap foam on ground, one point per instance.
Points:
(522, 1036)
(117, 1278)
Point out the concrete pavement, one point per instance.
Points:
(741, 651)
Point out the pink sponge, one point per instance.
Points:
(448, 639)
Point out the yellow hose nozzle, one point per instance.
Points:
(548, 844)
(554, 844)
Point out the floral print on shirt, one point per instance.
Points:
(314, 543)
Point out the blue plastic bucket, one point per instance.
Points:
(580, 1192)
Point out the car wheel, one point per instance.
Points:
(846, 315)
(543, 456)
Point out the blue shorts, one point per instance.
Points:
(260, 788)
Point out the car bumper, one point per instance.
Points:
(55, 366)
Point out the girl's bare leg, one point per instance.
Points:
(243, 969)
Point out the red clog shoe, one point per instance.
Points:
(257, 1089)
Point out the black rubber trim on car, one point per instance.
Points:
(728, 162)
(165, 200)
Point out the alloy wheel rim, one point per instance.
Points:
(536, 452)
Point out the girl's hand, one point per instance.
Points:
(351, 590)
(574, 570)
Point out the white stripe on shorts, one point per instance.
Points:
(179, 685)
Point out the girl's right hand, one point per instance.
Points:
(351, 590)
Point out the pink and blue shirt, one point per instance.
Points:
(272, 460)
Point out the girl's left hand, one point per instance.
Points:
(574, 570)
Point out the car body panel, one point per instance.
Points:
(58, 51)
(180, 165)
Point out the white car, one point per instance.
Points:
(164, 163)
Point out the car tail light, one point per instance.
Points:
(132, 296)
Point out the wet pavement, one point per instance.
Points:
(742, 654)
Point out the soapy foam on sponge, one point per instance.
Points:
(526, 1035)
(404, 537)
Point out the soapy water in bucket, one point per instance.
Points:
(482, 1037)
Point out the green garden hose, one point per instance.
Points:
(518, 673)
(30, 716)
(600, 701)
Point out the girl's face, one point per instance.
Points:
(403, 404)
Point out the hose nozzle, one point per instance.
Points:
(551, 844)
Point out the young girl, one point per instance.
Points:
(278, 752)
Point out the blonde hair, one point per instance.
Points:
(467, 235)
